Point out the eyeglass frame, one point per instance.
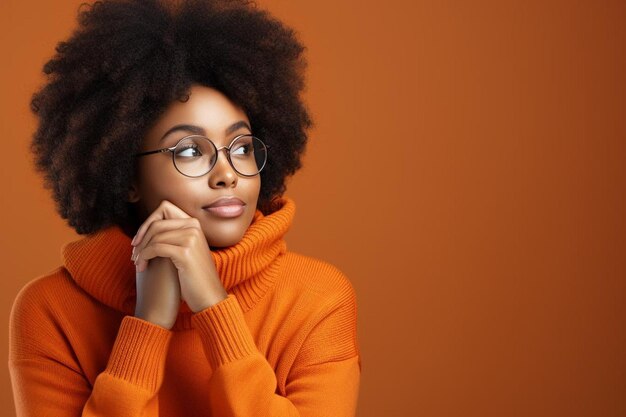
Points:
(217, 151)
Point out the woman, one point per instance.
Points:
(166, 133)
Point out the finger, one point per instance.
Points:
(164, 250)
(160, 226)
(165, 210)
(182, 238)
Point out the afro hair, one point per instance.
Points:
(121, 68)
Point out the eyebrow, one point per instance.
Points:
(200, 131)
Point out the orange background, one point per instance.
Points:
(467, 172)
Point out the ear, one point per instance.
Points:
(133, 193)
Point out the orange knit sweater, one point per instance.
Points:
(283, 343)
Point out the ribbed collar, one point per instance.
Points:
(100, 263)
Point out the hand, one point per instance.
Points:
(169, 232)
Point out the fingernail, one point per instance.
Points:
(132, 242)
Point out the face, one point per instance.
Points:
(157, 179)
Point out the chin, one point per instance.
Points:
(224, 239)
(226, 232)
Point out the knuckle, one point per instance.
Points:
(158, 224)
(199, 235)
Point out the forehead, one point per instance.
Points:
(207, 108)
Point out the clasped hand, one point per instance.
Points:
(171, 233)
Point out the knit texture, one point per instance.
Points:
(283, 342)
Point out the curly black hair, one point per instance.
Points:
(126, 62)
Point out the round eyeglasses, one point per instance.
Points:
(196, 155)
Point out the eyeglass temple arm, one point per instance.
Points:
(156, 151)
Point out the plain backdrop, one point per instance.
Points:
(466, 172)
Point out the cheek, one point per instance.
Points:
(158, 182)
(255, 188)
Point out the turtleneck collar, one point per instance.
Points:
(100, 263)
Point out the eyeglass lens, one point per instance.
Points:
(195, 156)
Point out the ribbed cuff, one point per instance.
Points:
(139, 353)
(224, 332)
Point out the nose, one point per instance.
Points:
(222, 175)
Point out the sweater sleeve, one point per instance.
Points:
(324, 380)
(134, 373)
(47, 379)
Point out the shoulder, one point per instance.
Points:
(34, 291)
(35, 295)
(33, 317)
(41, 321)
(317, 278)
(326, 294)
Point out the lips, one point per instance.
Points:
(225, 207)
(225, 201)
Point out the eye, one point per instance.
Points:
(241, 150)
(189, 151)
